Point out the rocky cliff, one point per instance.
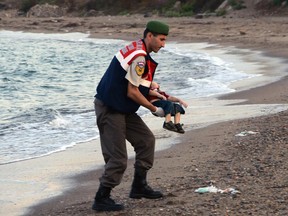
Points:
(56, 8)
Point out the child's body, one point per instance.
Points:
(171, 106)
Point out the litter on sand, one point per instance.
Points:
(213, 189)
(209, 189)
(245, 133)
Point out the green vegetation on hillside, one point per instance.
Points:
(159, 7)
(112, 7)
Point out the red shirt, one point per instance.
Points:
(151, 98)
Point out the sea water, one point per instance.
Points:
(48, 81)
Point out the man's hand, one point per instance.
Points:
(159, 112)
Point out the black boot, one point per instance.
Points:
(140, 188)
(103, 202)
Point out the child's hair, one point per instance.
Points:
(154, 85)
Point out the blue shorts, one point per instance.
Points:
(169, 107)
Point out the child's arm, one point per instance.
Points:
(157, 94)
(175, 99)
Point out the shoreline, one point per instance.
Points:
(80, 158)
(71, 203)
(46, 204)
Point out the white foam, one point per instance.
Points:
(71, 36)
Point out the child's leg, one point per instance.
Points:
(168, 118)
(168, 124)
(177, 118)
(177, 121)
(168, 108)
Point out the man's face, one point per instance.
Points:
(155, 43)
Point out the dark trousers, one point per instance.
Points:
(115, 128)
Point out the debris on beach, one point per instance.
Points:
(213, 189)
(209, 189)
(246, 133)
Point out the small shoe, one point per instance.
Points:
(169, 126)
(179, 128)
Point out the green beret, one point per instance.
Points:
(158, 27)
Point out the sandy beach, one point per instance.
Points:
(214, 150)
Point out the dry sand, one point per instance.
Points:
(255, 164)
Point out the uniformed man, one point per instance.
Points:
(121, 91)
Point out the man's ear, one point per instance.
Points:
(149, 35)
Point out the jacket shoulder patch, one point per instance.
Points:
(140, 68)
